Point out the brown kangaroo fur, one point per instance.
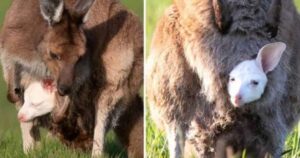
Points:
(194, 47)
(58, 39)
(132, 136)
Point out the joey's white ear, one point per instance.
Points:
(269, 56)
(52, 10)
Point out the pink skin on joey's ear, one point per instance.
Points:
(48, 84)
(269, 56)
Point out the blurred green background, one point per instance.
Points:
(156, 144)
(10, 134)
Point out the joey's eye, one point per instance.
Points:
(232, 79)
(255, 83)
(54, 56)
(36, 103)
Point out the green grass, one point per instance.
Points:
(10, 133)
(156, 143)
(137, 6)
(11, 147)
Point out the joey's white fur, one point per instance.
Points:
(38, 100)
(248, 79)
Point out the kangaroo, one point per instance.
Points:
(120, 66)
(248, 80)
(195, 46)
(64, 32)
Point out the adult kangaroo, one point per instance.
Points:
(195, 46)
(48, 39)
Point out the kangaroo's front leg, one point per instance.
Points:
(176, 140)
(106, 103)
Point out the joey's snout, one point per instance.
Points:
(22, 117)
(237, 100)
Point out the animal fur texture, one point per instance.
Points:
(99, 68)
(195, 46)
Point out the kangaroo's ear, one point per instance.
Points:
(222, 15)
(273, 17)
(81, 9)
(269, 56)
(52, 10)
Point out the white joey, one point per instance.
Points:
(248, 80)
(39, 99)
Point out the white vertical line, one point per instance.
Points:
(144, 96)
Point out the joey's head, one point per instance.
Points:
(248, 80)
(39, 99)
(64, 42)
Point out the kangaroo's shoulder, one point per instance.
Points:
(167, 31)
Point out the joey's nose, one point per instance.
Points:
(63, 90)
(21, 117)
(237, 99)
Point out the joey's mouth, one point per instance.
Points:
(237, 103)
(23, 118)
